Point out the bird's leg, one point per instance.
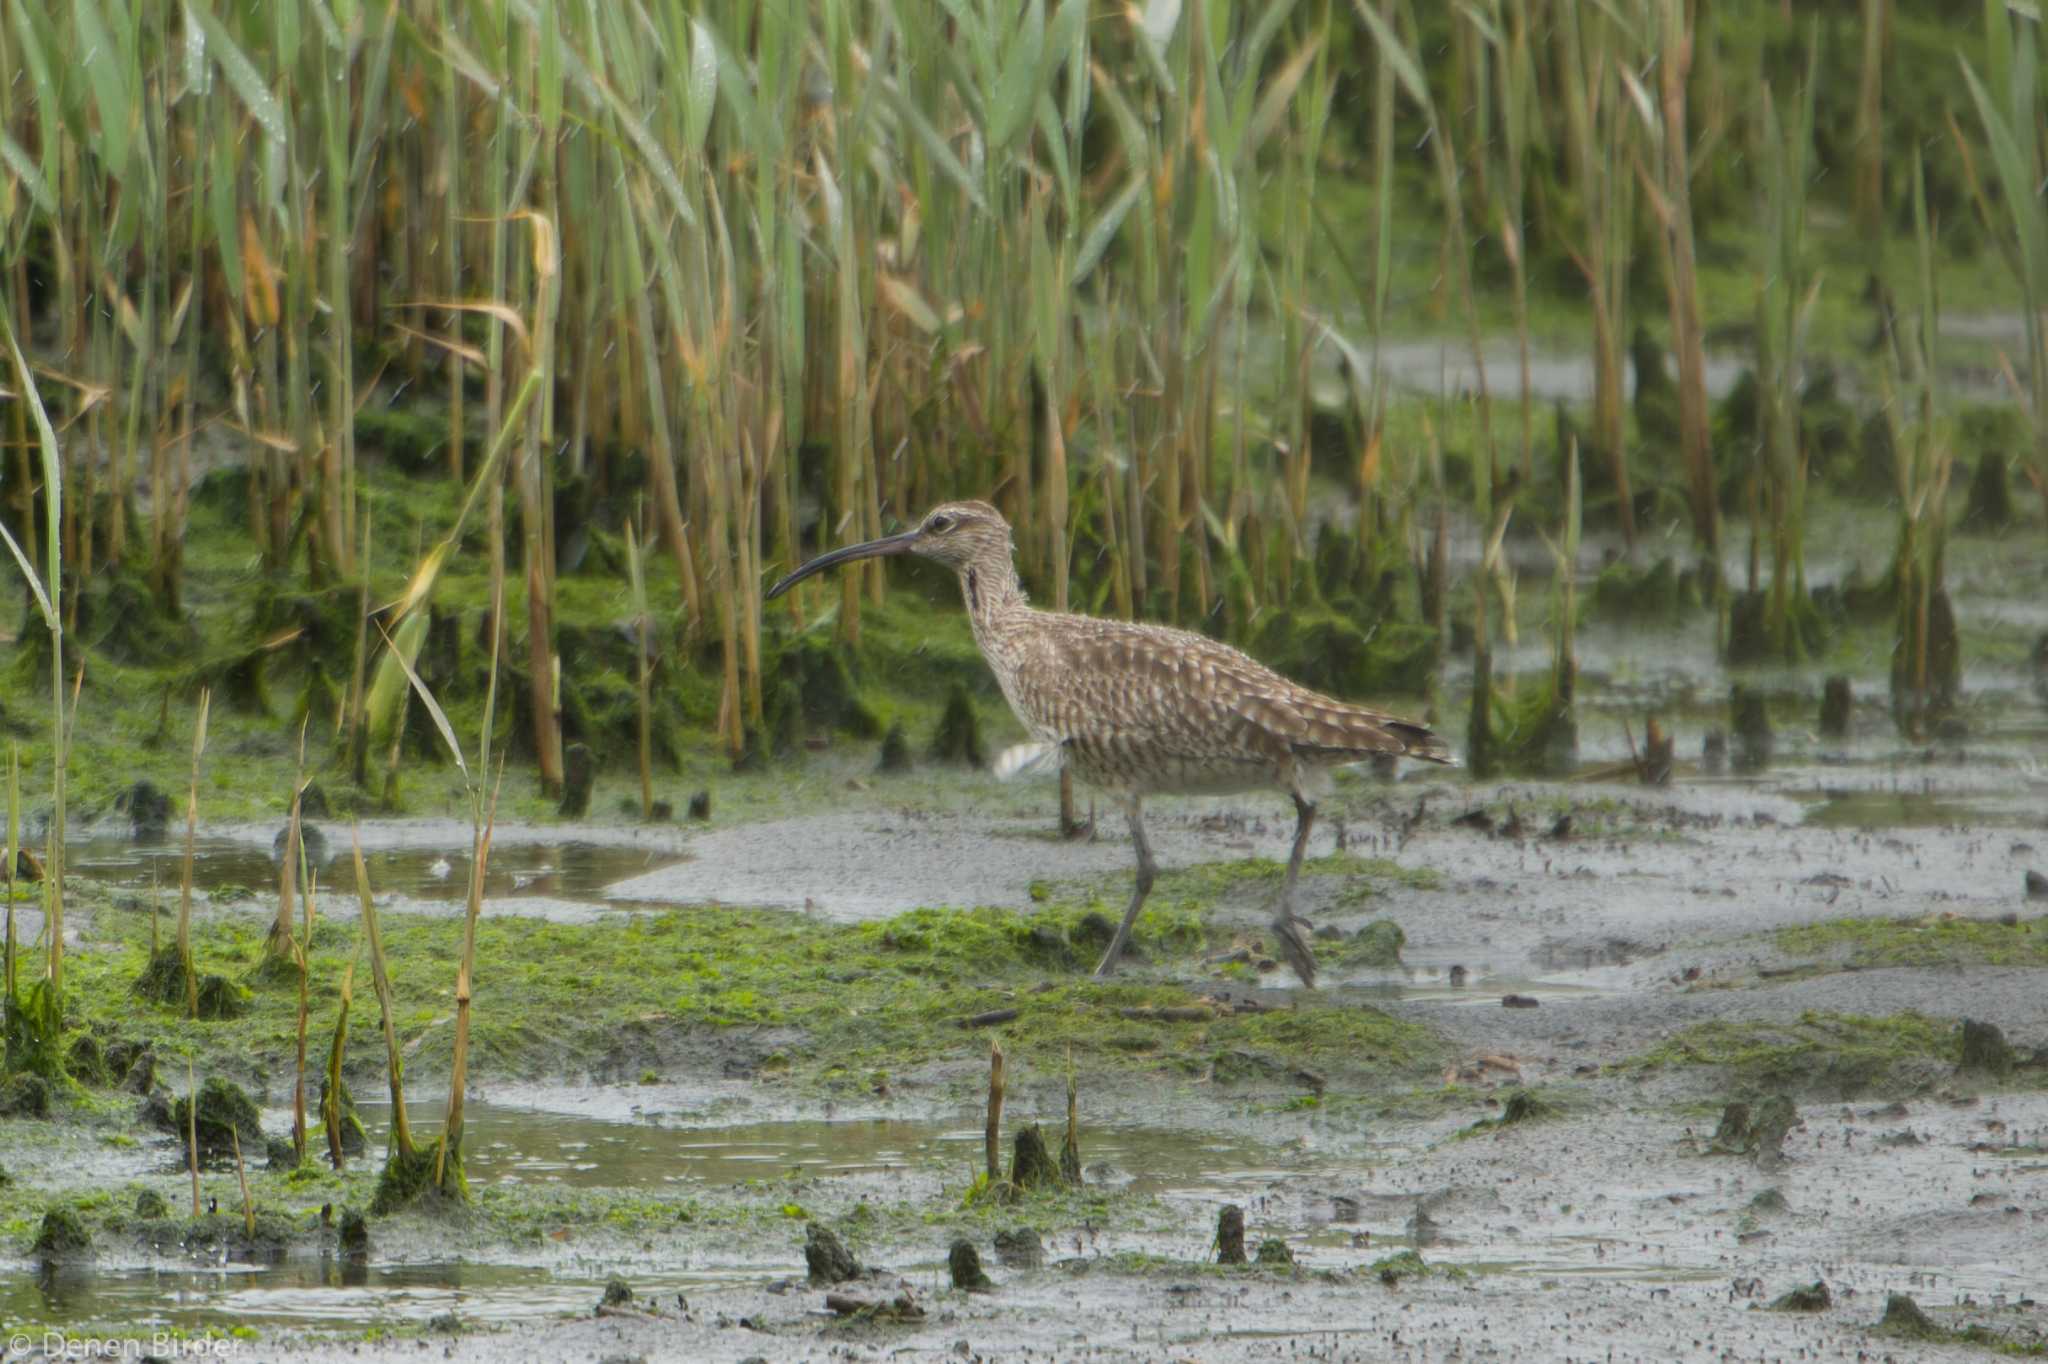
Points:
(1147, 870)
(1294, 943)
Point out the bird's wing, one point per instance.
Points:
(1194, 697)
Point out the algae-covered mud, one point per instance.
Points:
(1501, 1126)
(455, 911)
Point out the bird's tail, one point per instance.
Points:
(1421, 742)
(1337, 733)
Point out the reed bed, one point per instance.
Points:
(780, 276)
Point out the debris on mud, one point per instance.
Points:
(899, 1308)
(1274, 1254)
(1815, 1297)
(1020, 1248)
(1756, 1132)
(1522, 1106)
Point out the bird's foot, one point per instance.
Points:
(1294, 945)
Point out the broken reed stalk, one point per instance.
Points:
(1070, 1146)
(358, 730)
(331, 1111)
(302, 958)
(191, 839)
(192, 1128)
(994, 1131)
(242, 1174)
(380, 980)
(642, 642)
(48, 591)
(279, 946)
(7, 980)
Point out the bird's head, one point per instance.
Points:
(956, 534)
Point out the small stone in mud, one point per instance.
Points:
(579, 774)
(1273, 1252)
(964, 1263)
(1835, 703)
(700, 806)
(1812, 1298)
(355, 1236)
(2037, 886)
(1519, 1002)
(1019, 1248)
(827, 1256)
(62, 1238)
(1230, 1235)
(617, 1293)
(1985, 1050)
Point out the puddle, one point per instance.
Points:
(522, 1146)
(510, 1146)
(571, 870)
(314, 1293)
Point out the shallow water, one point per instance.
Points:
(567, 870)
(510, 1146)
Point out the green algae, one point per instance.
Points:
(828, 1005)
(1934, 941)
(1828, 1055)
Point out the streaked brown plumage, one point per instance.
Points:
(1139, 710)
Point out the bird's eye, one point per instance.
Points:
(939, 525)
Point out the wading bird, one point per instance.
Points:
(1138, 710)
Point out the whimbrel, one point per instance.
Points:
(1138, 710)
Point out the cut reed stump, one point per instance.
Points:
(1230, 1236)
(1985, 1050)
(964, 1263)
(1031, 1163)
(827, 1257)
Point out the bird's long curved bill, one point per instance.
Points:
(868, 549)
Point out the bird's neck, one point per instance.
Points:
(992, 592)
